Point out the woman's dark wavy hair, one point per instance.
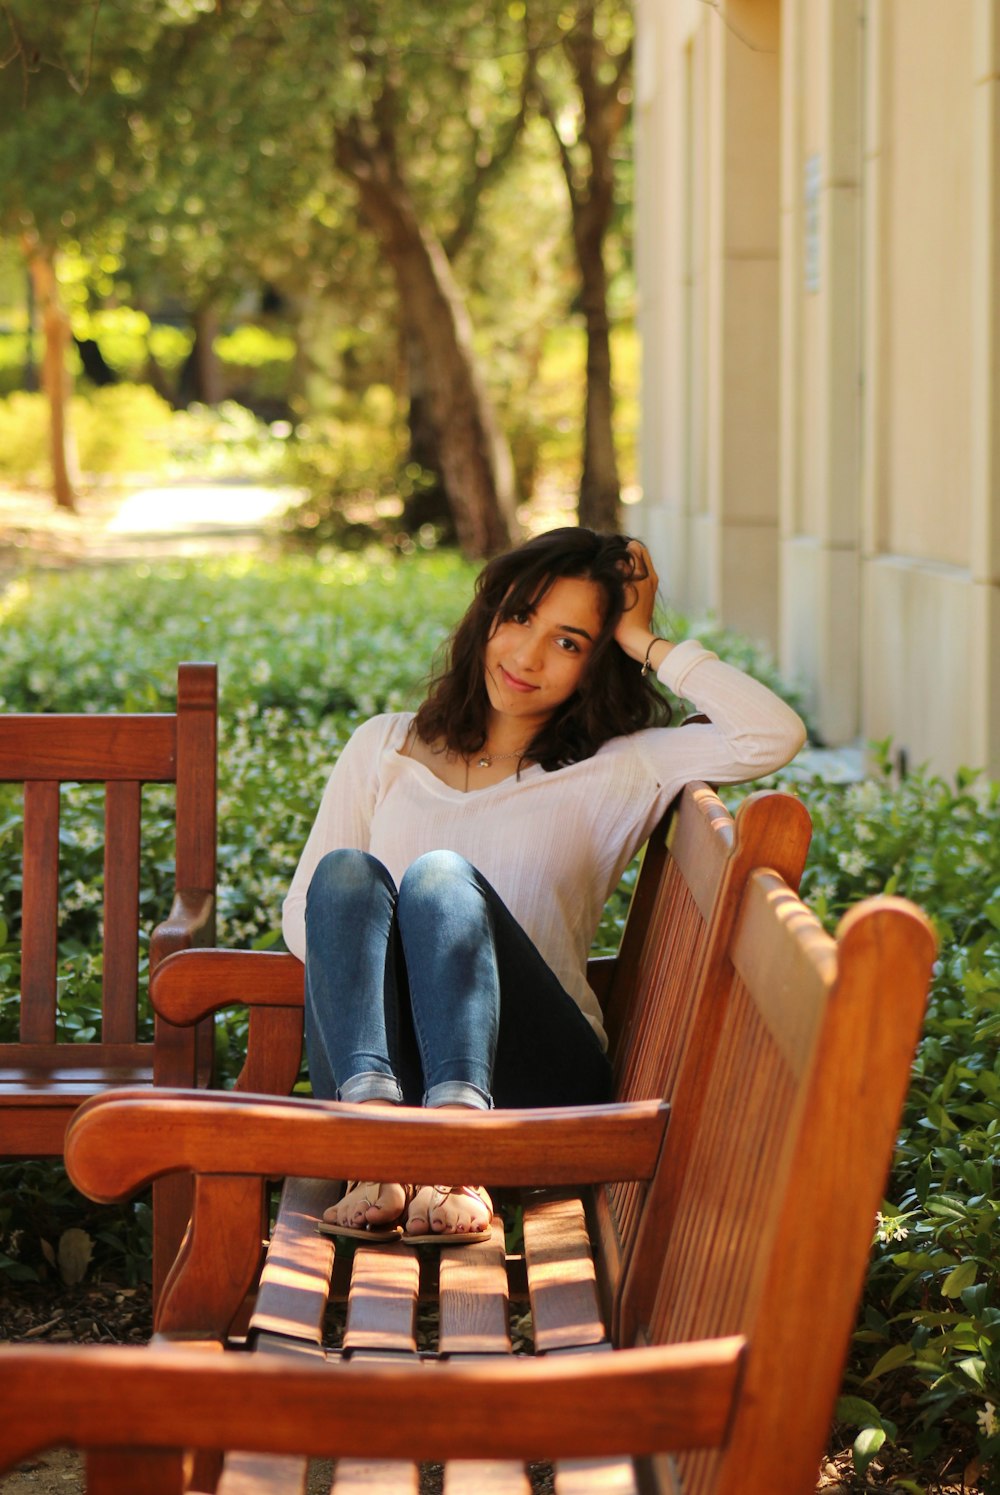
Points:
(613, 697)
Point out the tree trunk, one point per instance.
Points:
(589, 171)
(600, 486)
(29, 378)
(201, 377)
(476, 465)
(429, 505)
(55, 373)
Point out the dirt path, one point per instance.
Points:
(137, 523)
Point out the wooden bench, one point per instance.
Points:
(717, 1363)
(692, 869)
(42, 1079)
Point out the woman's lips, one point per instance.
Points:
(515, 683)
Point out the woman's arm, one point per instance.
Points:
(751, 730)
(343, 820)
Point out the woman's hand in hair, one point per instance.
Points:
(634, 633)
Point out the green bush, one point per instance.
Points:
(118, 429)
(926, 1356)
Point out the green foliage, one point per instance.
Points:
(352, 467)
(927, 1349)
(118, 429)
(252, 347)
(38, 1205)
(122, 430)
(225, 441)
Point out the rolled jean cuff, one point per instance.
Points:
(371, 1085)
(458, 1093)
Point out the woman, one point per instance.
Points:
(448, 894)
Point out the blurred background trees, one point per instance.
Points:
(397, 233)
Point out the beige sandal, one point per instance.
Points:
(371, 1233)
(452, 1237)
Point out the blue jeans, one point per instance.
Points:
(434, 994)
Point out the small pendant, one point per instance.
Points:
(485, 762)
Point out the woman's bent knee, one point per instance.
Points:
(343, 873)
(434, 876)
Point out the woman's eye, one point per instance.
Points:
(569, 645)
(521, 617)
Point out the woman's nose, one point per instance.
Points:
(529, 652)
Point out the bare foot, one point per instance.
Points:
(439, 1210)
(368, 1204)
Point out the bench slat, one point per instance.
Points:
(89, 748)
(473, 1298)
(120, 982)
(295, 1281)
(476, 1477)
(40, 913)
(375, 1477)
(596, 1477)
(382, 1307)
(565, 1308)
(263, 1474)
(70, 1068)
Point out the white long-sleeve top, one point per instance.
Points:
(553, 845)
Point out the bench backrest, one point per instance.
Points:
(760, 1218)
(123, 752)
(695, 867)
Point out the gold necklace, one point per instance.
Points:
(487, 760)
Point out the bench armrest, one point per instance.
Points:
(636, 1401)
(190, 923)
(190, 985)
(119, 1142)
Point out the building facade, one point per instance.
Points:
(818, 248)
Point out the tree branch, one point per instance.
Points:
(488, 171)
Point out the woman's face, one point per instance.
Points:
(534, 660)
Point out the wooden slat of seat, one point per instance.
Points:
(473, 1298)
(40, 913)
(566, 1315)
(27, 1068)
(375, 1477)
(120, 981)
(562, 1282)
(473, 1303)
(38, 1101)
(295, 1281)
(596, 1477)
(477, 1477)
(263, 1474)
(382, 1307)
(291, 1306)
